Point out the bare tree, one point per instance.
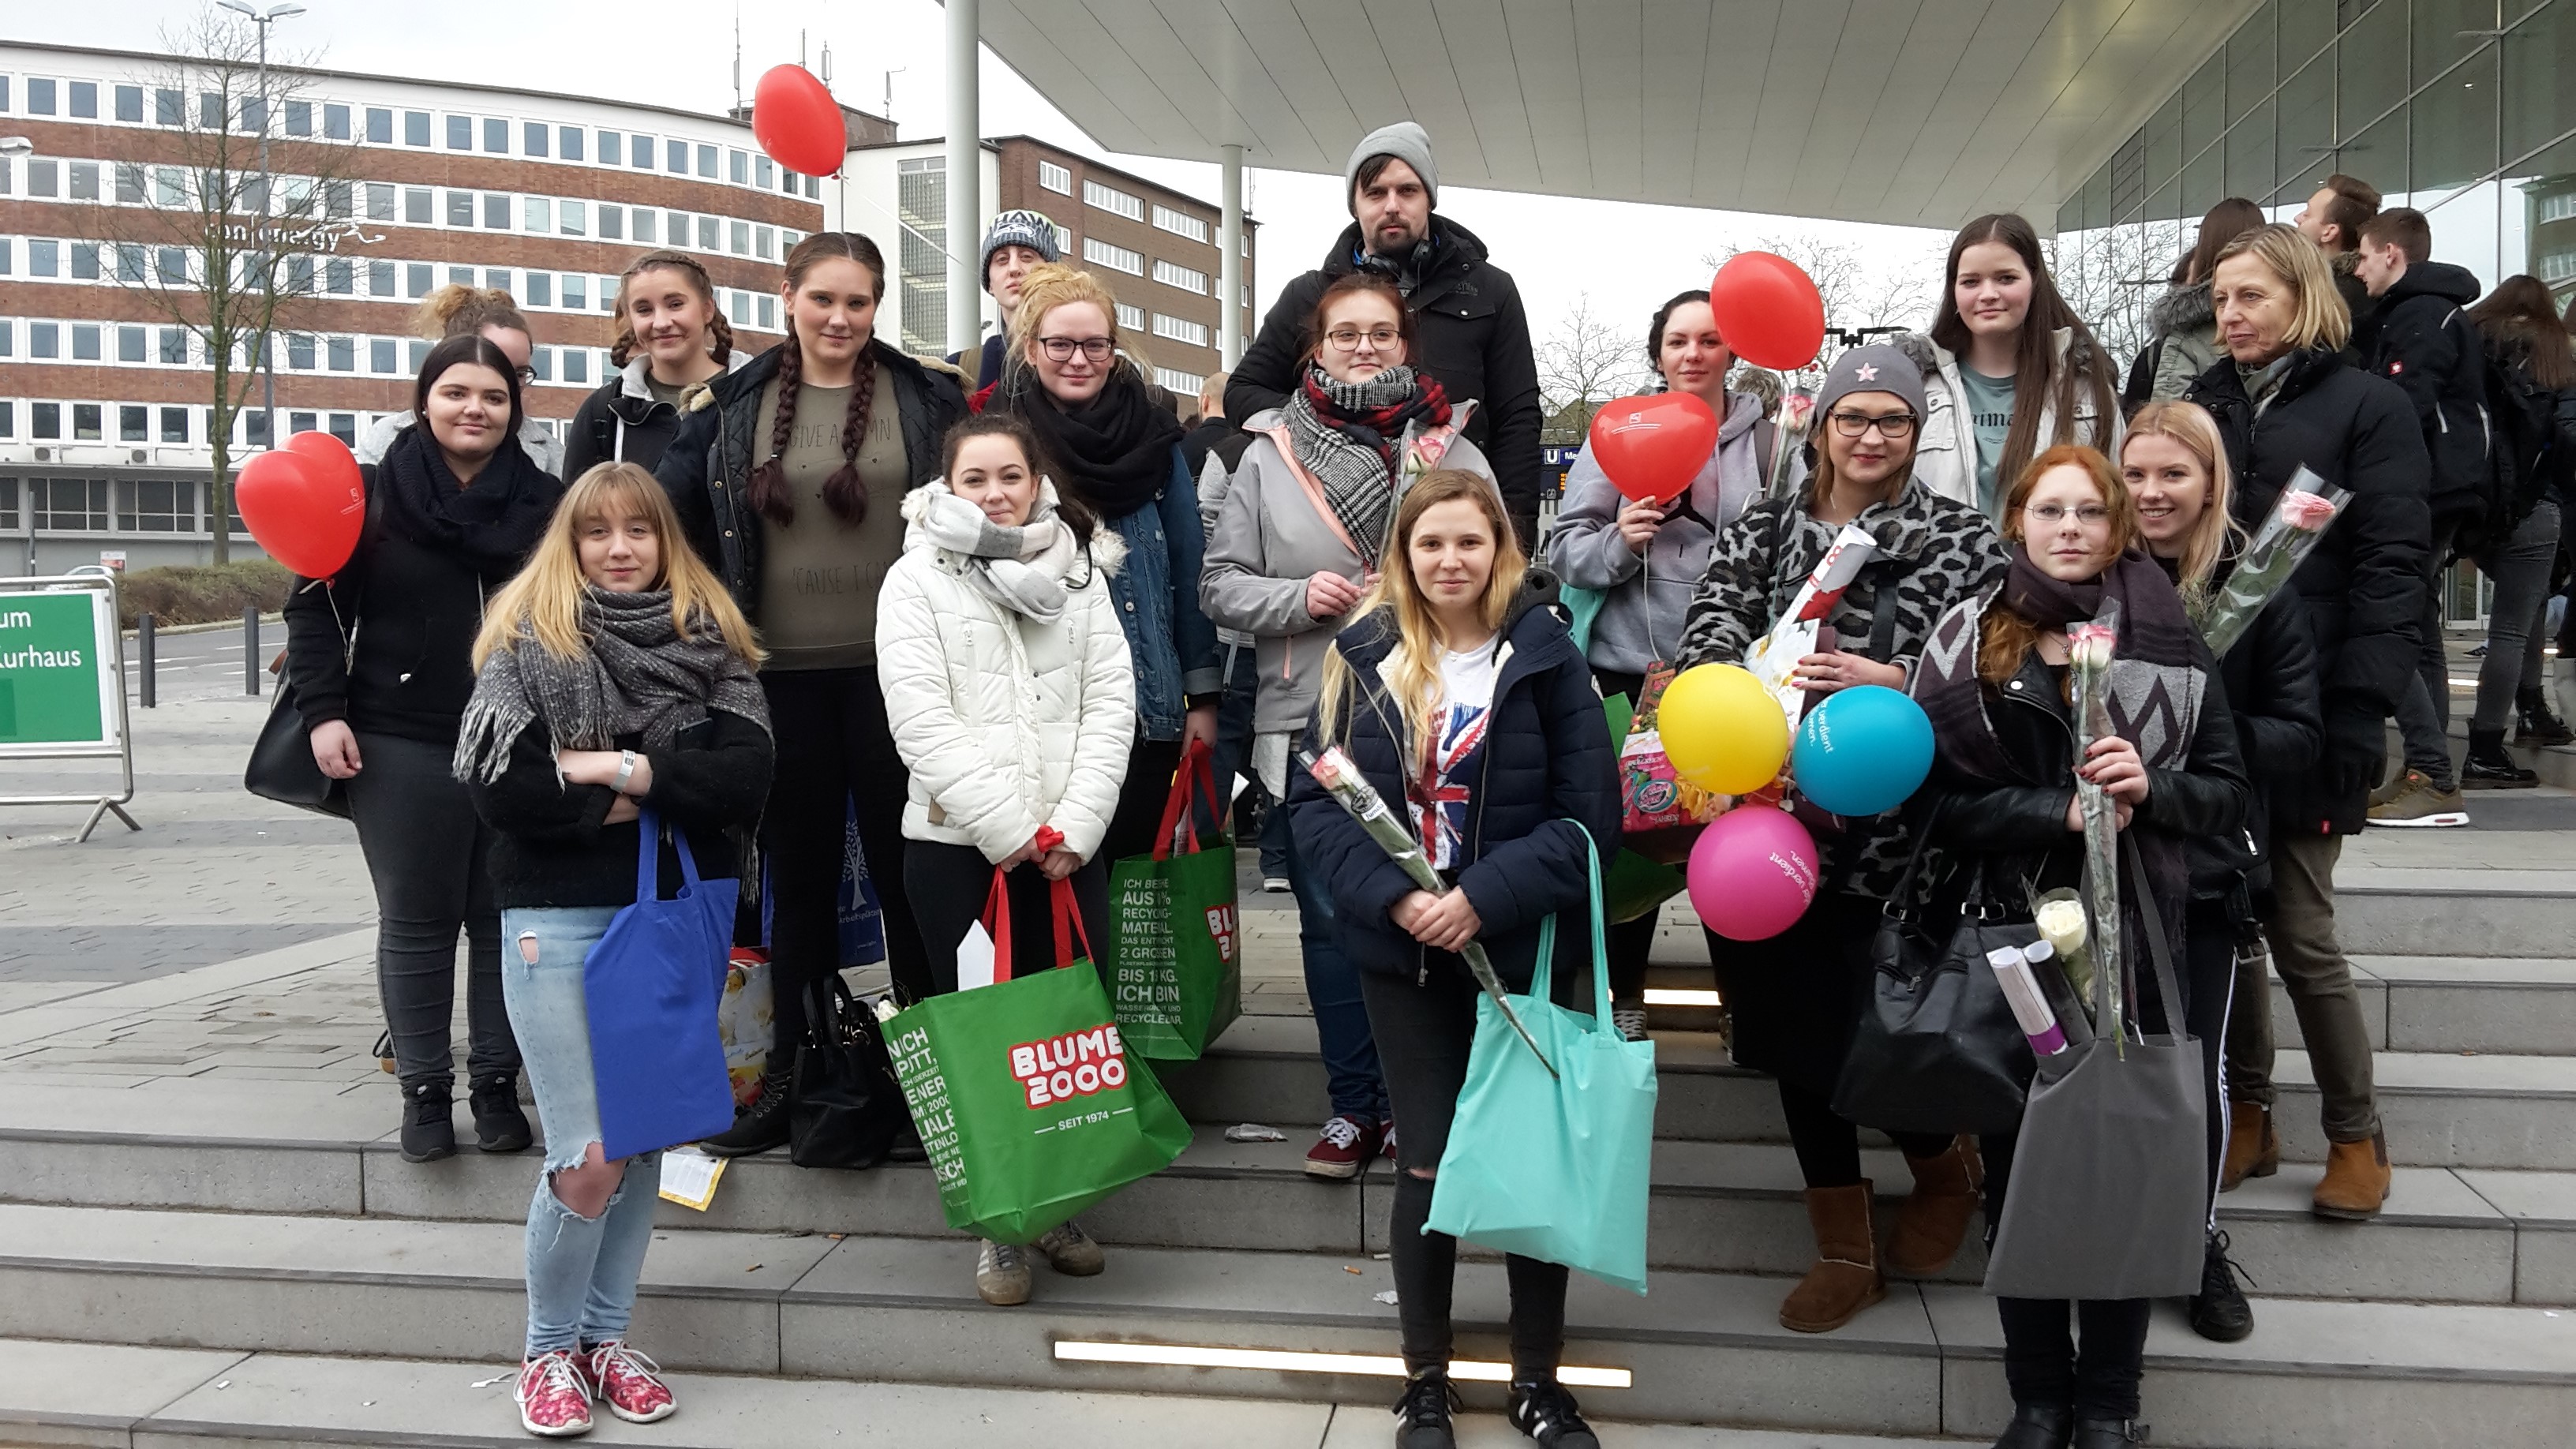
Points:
(2111, 276)
(223, 254)
(1586, 362)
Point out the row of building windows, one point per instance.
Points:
(129, 183)
(131, 345)
(382, 279)
(86, 505)
(49, 421)
(519, 137)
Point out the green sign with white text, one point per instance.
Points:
(50, 689)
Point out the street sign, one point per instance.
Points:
(62, 682)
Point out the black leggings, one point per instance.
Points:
(425, 850)
(1423, 1031)
(1630, 942)
(1828, 1147)
(2209, 990)
(833, 748)
(948, 885)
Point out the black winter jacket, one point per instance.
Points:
(2271, 679)
(411, 668)
(1549, 776)
(707, 468)
(2364, 583)
(2019, 830)
(1472, 336)
(2418, 338)
(551, 849)
(621, 422)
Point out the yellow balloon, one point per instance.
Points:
(1722, 730)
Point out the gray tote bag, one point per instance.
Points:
(2109, 1195)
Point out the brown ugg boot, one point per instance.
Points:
(1934, 1217)
(2253, 1148)
(1845, 1278)
(2356, 1183)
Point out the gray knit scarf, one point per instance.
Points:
(1020, 567)
(638, 677)
(1358, 483)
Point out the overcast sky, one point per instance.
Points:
(1628, 258)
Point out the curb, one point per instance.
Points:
(164, 631)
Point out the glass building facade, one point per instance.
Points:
(2463, 109)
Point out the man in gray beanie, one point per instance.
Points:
(1015, 242)
(1470, 331)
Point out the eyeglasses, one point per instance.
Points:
(1892, 427)
(2049, 515)
(1348, 339)
(1062, 349)
(527, 377)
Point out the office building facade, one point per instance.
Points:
(104, 449)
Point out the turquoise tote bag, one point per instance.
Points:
(1555, 1169)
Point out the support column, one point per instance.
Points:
(1229, 271)
(965, 178)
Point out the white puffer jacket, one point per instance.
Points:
(1006, 723)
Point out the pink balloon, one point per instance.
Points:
(1752, 873)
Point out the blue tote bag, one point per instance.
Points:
(651, 985)
(1554, 1168)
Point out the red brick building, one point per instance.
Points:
(104, 404)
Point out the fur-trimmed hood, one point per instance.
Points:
(2185, 309)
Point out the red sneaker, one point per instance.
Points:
(630, 1383)
(1389, 1144)
(554, 1396)
(1342, 1148)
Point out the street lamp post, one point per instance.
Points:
(267, 346)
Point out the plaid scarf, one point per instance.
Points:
(1348, 434)
(639, 676)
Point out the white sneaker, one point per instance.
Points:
(1276, 884)
(1002, 1274)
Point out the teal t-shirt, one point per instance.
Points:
(1990, 408)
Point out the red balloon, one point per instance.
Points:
(306, 518)
(797, 122)
(1653, 446)
(333, 465)
(1768, 311)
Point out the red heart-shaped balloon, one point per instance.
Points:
(1769, 311)
(797, 122)
(1653, 446)
(307, 518)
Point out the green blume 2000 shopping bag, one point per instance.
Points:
(1027, 1100)
(1555, 1169)
(1175, 960)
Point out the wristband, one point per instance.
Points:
(625, 770)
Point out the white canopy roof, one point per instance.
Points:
(1918, 112)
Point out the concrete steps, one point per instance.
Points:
(156, 1398)
(1703, 1348)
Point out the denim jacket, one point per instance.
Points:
(1157, 597)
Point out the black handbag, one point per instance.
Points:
(844, 1108)
(281, 764)
(1937, 1049)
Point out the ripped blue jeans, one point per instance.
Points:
(582, 1271)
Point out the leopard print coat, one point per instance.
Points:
(1932, 554)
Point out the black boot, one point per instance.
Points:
(2219, 1311)
(2488, 767)
(2535, 723)
(2038, 1426)
(2107, 1434)
(762, 1125)
(429, 1124)
(499, 1125)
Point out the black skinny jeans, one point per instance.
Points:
(948, 885)
(425, 850)
(1423, 1031)
(833, 747)
(1630, 942)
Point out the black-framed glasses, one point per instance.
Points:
(1893, 426)
(1062, 349)
(527, 377)
(2049, 515)
(1348, 339)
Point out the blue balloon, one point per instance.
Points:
(1862, 751)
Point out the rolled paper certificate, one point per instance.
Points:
(2029, 1006)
